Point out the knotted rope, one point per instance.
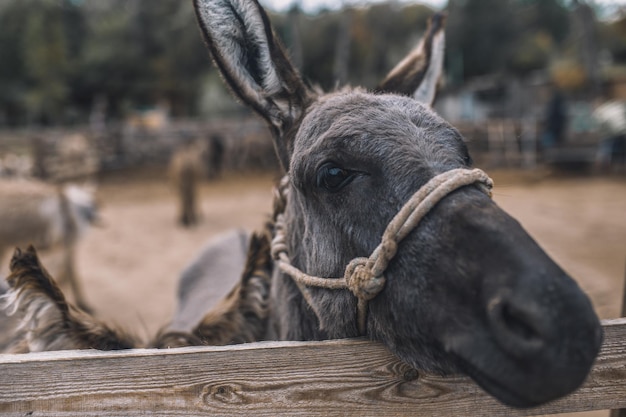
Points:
(364, 276)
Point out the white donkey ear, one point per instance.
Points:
(417, 75)
(254, 63)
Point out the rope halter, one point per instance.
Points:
(364, 276)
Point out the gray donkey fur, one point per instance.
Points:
(469, 290)
(208, 277)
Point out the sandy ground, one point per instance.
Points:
(129, 268)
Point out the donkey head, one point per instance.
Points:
(468, 290)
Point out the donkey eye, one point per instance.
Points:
(333, 178)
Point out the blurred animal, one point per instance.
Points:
(47, 216)
(40, 318)
(186, 170)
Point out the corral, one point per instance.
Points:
(130, 266)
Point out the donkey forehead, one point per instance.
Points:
(374, 125)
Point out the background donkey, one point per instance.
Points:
(187, 168)
(40, 318)
(468, 290)
(47, 216)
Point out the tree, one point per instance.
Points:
(481, 34)
(614, 37)
(36, 60)
(12, 82)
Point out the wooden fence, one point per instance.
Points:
(61, 155)
(341, 377)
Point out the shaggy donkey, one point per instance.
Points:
(44, 320)
(46, 216)
(468, 290)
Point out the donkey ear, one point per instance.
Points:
(418, 73)
(254, 63)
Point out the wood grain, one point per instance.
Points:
(341, 377)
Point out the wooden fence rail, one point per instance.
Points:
(341, 377)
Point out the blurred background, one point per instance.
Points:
(121, 93)
(522, 76)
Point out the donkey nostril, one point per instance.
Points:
(517, 328)
(517, 324)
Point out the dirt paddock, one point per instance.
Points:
(130, 266)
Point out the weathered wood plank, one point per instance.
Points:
(344, 377)
(621, 412)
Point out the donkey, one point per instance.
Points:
(38, 317)
(468, 290)
(186, 170)
(47, 216)
(456, 284)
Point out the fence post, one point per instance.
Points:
(622, 411)
(509, 140)
(529, 142)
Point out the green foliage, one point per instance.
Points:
(12, 81)
(532, 53)
(45, 61)
(141, 52)
(482, 32)
(57, 57)
(388, 34)
(380, 36)
(505, 35)
(35, 59)
(549, 16)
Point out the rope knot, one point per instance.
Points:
(361, 281)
